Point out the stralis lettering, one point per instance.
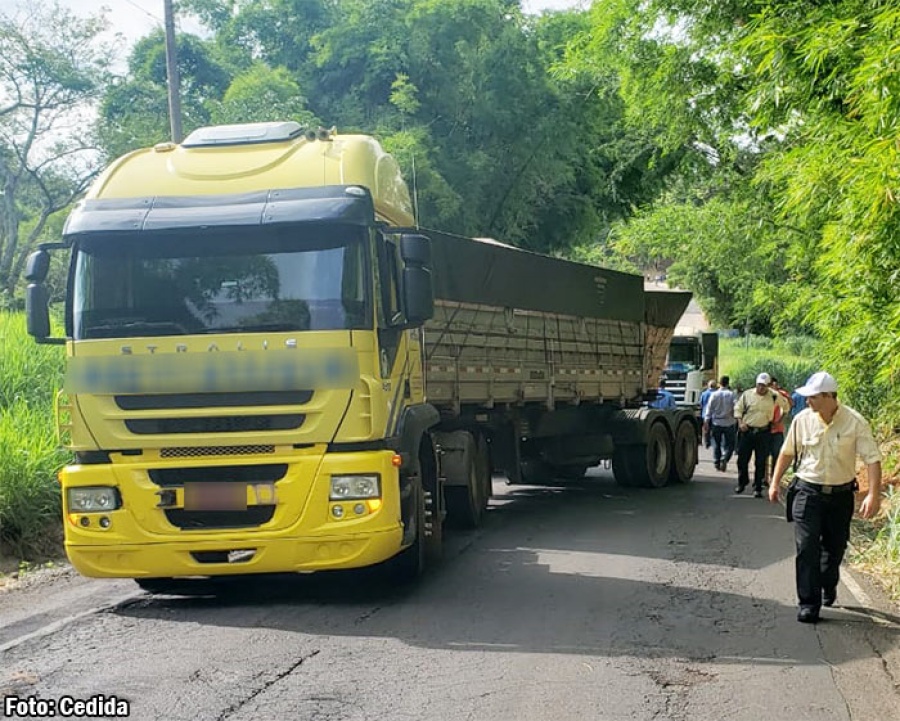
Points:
(98, 706)
(290, 343)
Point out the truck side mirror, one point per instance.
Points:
(418, 289)
(37, 311)
(418, 295)
(37, 266)
(37, 301)
(416, 250)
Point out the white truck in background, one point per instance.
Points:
(692, 362)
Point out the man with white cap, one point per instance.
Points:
(824, 441)
(755, 411)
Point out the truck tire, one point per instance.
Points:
(653, 460)
(645, 464)
(465, 503)
(434, 502)
(621, 467)
(684, 453)
(409, 565)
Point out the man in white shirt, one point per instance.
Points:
(827, 437)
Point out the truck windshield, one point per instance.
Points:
(285, 278)
(683, 356)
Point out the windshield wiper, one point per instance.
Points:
(256, 328)
(130, 324)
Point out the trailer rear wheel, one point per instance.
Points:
(465, 503)
(684, 453)
(621, 467)
(657, 457)
(645, 464)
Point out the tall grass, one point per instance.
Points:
(790, 360)
(878, 544)
(30, 456)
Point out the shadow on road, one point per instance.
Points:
(587, 569)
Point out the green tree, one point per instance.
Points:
(135, 110)
(827, 79)
(52, 69)
(262, 94)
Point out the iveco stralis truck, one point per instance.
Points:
(270, 369)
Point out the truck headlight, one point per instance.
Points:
(87, 499)
(348, 488)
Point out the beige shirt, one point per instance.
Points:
(828, 451)
(756, 410)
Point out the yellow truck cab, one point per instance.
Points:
(232, 373)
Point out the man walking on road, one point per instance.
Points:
(755, 411)
(828, 437)
(720, 423)
(704, 399)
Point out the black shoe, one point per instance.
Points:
(829, 596)
(757, 494)
(740, 489)
(718, 466)
(808, 615)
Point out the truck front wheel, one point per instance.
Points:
(408, 565)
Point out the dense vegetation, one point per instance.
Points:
(745, 147)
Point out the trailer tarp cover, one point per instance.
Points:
(486, 272)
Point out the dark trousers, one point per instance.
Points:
(775, 447)
(756, 444)
(821, 532)
(723, 442)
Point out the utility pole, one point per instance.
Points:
(174, 82)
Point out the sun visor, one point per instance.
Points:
(351, 205)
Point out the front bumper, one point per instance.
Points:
(268, 556)
(298, 531)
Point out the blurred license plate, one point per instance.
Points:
(215, 496)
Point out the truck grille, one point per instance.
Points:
(188, 520)
(214, 424)
(215, 451)
(167, 401)
(261, 473)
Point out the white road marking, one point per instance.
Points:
(51, 628)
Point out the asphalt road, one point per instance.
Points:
(585, 601)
